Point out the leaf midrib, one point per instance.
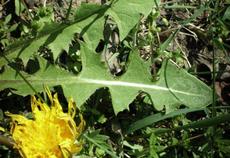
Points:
(78, 80)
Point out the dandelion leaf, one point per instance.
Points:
(127, 13)
(89, 23)
(174, 88)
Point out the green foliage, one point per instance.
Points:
(158, 117)
(90, 26)
(167, 92)
(227, 14)
(100, 142)
(69, 55)
(19, 7)
(6, 29)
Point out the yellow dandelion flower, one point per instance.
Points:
(50, 134)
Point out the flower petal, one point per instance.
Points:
(51, 133)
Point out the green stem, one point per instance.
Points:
(27, 9)
(213, 84)
(214, 92)
(179, 7)
(26, 81)
(213, 128)
(157, 7)
(69, 10)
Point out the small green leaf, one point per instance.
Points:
(227, 14)
(7, 20)
(197, 13)
(223, 145)
(133, 147)
(13, 27)
(100, 141)
(153, 146)
(126, 13)
(19, 7)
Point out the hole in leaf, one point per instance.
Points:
(100, 46)
(32, 66)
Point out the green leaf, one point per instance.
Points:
(164, 46)
(59, 36)
(223, 145)
(24, 49)
(175, 86)
(89, 23)
(7, 19)
(153, 146)
(19, 7)
(126, 13)
(227, 14)
(133, 147)
(149, 120)
(86, 10)
(207, 122)
(223, 118)
(197, 13)
(100, 141)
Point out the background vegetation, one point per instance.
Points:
(151, 77)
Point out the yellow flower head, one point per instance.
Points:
(50, 134)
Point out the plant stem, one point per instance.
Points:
(6, 141)
(27, 9)
(69, 10)
(26, 81)
(213, 129)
